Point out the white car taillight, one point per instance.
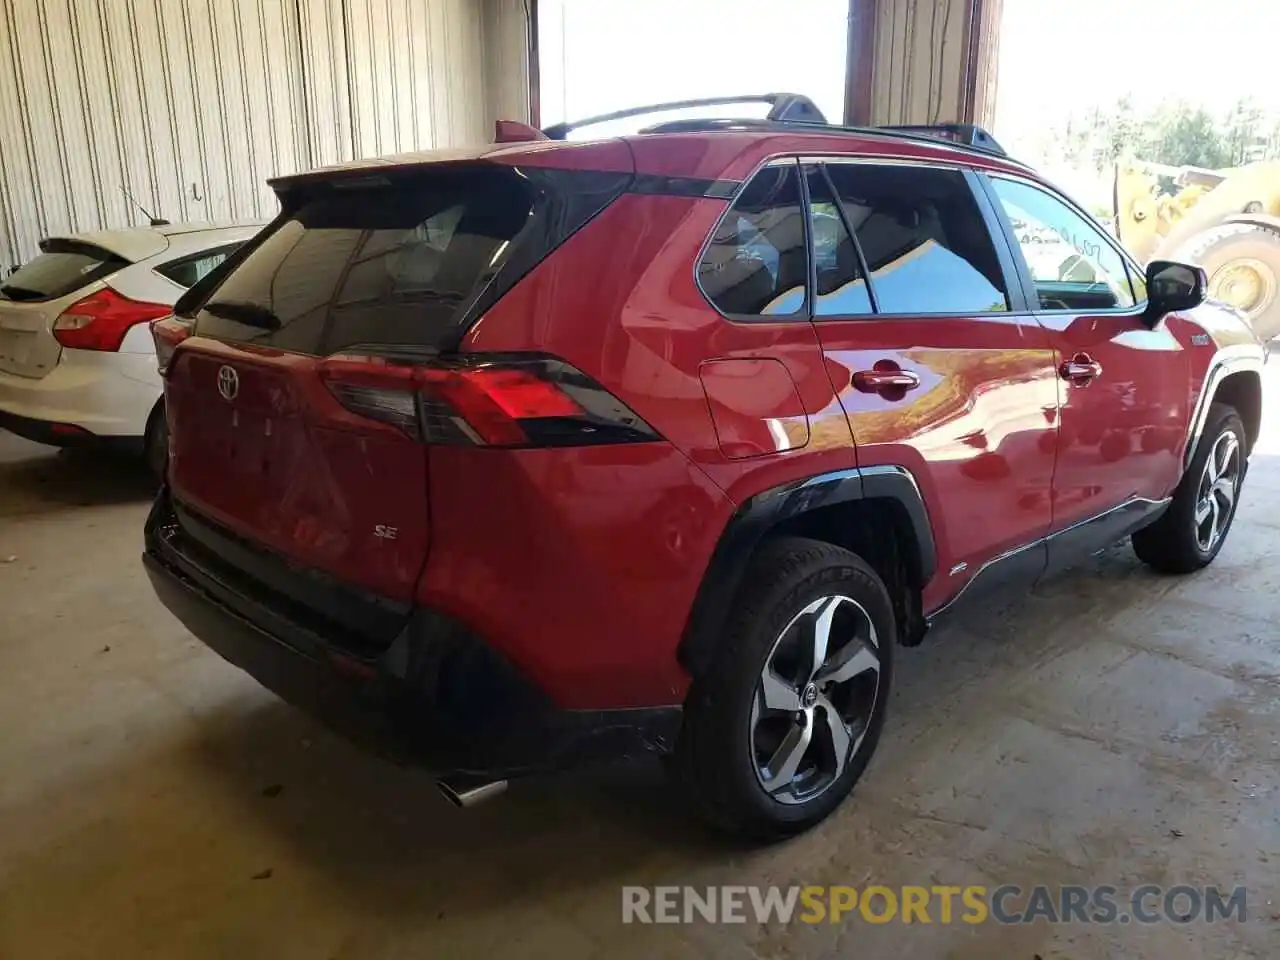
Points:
(101, 320)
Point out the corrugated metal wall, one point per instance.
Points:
(988, 63)
(326, 115)
(429, 60)
(506, 31)
(921, 50)
(192, 104)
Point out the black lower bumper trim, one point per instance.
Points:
(55, 434)
(437, 697)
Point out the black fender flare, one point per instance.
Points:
(759, 514)
(1229, 360)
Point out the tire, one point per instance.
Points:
(1176, 542)
(791, 585)
(1252, 247)
(155, 443)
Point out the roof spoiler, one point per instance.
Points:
(513, 131)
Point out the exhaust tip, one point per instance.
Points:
(466, 792)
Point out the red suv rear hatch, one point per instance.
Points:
(299, 434)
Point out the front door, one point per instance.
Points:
(1122, 384)
(938, 368)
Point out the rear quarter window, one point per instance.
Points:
(755, 264)
(62, 268)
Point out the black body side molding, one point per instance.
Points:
(652, 183)
(757, 516)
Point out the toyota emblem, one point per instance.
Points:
(228, 383)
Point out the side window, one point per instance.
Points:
(923, 237)
(190, 270)
(841, 287)
(1072, 264)
(755, 264)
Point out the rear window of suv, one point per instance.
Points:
(386, 262)
(64, 267)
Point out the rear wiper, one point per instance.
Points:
(250, 314)
(20, 293)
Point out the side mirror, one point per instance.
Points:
(1173, 286)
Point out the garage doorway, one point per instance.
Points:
(1163, 118)
(594, 58)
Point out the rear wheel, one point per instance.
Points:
(1243, 264)
(786, 718)
(1192, 531)
(155, 442)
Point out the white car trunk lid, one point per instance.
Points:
(27, 344)
(36, 294)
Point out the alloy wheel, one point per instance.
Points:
(1219, 487)
(815, 698)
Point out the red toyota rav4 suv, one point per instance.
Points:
(547, 451)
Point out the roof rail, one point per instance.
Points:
(790, 107)
(984, 143)
(787, 111)
(969, 134)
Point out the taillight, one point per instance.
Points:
(101, 320)
(167, 334)
(501, 404)
(485, 400)
(396, 407)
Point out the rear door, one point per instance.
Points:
(288, 428)
(941, 369)
(34, 296)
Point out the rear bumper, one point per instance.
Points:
(61, 434)
(107, 395)
(437, 696)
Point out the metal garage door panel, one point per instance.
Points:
(19, 199)
(36, 100)
(231, 104)
(326, 103)
(506, 42)
(417, 72)
(190, 106)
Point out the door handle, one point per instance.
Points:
(885, 377)
(1080, 369)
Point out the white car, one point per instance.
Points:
(77, 361)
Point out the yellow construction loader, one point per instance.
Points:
(1228, 221)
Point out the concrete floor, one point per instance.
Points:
(1117, 728)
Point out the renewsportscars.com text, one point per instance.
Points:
(1007, 904)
